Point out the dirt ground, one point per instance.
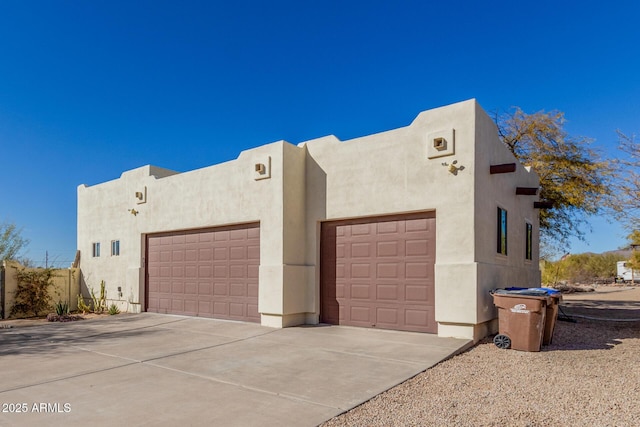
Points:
(606, 302)
(35, 321)
(588, 376)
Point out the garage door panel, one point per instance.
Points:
(416, 318)
(416, 293)
(252, 311)
(360, 271)
(221, 236)
(205, 237)
(221, 271)
(204, 308)
(221, 289)
(386, 316)
(204, 271)
(387, 292)
(339, 272)
(203, 288)
(379, 272)
(165, 287)
(387, 227)
(388, 249)
(191, 271)
(253, 252)
(238, 271)
(387, 270)
(237, 253)
(190, 255)
(361, 250)
(205, 254)
(220, 309)
(360, 230)
(237, 290)
(253, 272)
(416, 247)
(236, 310)
(252, 291)
(220, 254)
(211, 273)
(361, 314)
(177, 287)
(416, 270)
(340, 251)
(362, 292)
(164, 304)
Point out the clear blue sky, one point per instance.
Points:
(89, 89)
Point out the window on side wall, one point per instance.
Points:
(115, 247)
(96, 250)
(528, 253)
(502, 231)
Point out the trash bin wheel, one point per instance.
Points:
(502, 341)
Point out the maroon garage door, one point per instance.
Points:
(379, 273)
(208, 273)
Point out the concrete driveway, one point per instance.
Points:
(150, 369)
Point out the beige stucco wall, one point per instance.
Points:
(328, 179)
(65, 288)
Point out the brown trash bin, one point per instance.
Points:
(521, 321)
(551, 317)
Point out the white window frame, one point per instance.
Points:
(115, 248)
(96, 249)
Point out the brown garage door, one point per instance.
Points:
(379, 272)
(208, 273)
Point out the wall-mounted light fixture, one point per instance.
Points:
(452, 167)
(133, 212)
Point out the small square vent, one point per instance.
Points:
(441, 143)
(261, 167)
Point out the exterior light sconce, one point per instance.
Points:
(133, 212)
(452, 167)
(260, 168)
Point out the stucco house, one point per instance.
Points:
(407, 229)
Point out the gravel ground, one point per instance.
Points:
(588, 376)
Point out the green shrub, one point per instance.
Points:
(99, 302)
(82, 306)
(32, 294)
(113, 309)
(62, 308)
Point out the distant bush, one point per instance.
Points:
(581, 268)
(32, 293)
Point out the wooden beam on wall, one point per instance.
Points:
(504, 168)
(542, 205)
(527, 191)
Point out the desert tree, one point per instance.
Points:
(11, 241)
(574, 178)
(626, 194)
